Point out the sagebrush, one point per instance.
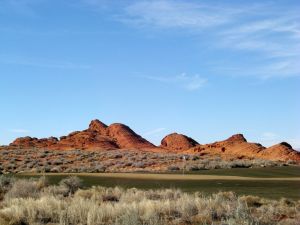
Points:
(69, 205)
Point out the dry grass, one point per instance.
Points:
(99, 205)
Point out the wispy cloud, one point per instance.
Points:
(267, 31)
(276, 40)
(173, 14)
(190, 83)
(272, 33)
(19, 131)
(153, 132)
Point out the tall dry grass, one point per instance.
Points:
(68, 205)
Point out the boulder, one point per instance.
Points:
(178, 142)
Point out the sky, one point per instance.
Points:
(208, 69)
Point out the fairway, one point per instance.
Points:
(267, 172)
(264, 182)
(185, 177)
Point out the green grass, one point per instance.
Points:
(263, 188)
(268, 172)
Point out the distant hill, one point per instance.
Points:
(102, 137)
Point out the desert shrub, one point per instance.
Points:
(128, 164)
(57, 190)
(195, 157)
(42, 155)
(42, 182)
(27, 160)
(6, 182)
(11, 166)
(291, 162)
(56, 169)
(46, 169)
(139, 165)
(99, 205)
(252, 201)
(70, 170)
(192, 168)
(173, 168)
(117, 156)
(5, 185)
(110, 198)
(240, 164)
(57, 162)
(25, 189)
(72, 183)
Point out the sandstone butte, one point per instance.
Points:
(101, 137)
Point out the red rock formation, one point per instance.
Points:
(234, 147)
(237, 138)
(282, 151)
(98, 127)
(97, 137)
(127, 138)
(29, 142)
(237, 147)
(178, 142)
(85, 140)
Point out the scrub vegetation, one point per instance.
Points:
(34, 201)
(80, 161)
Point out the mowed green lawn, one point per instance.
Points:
(269, 172)
(244, 184)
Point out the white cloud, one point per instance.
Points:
(274, 37)
(172, 14)
(19, 131)
(190, 83)
(154, 132)
(275, 42)
(272, 34)
(270, 31)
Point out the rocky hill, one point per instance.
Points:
(100, 137)
(178, 142)
(238, 147)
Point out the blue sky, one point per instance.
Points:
(208, 69)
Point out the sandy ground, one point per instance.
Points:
(166, 176)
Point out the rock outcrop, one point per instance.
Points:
(85, 140)
(281, 151)
(127, 138)
(98, 136)
(98, 127)
(178, 142)
(237, 147)
(30, 142)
